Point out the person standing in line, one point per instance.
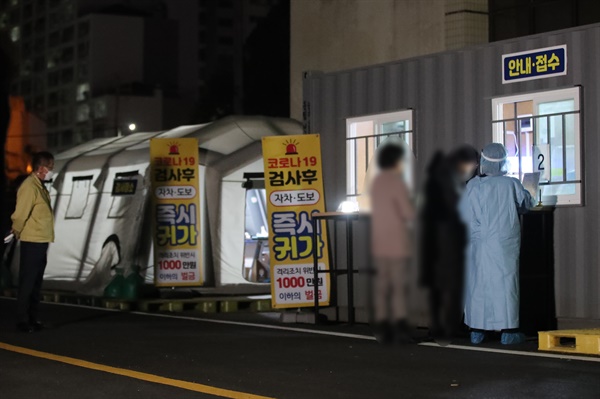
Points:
(490, 208)
(444, 238)
(392, 213)
(33, 225)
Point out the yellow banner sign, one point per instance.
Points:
(294, 184)
(175, 212)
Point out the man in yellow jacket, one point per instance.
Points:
(33, 225)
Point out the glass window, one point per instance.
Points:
(53, 79)
(82, 50)
(54, 39)
(3, 20)
(79, 197)
(256, 249)
(67, 75)
(121, 204)
(100, 109)
(15, 34)
(68, 34)
(83, 29)
(83, 92)
(83, 112)
(541, 132)
(363, 136)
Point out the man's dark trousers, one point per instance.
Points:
(31, 276)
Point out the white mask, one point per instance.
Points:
(49, 175)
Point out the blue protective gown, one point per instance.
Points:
(490, 208)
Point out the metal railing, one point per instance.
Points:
(375, 140)
(536, 126)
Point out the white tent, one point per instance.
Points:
(86, 213)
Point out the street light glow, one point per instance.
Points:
(132, 126)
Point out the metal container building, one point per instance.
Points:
(451, 98)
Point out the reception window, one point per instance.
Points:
(363, 136)
(542, 133)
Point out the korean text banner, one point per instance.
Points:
(534, 64)
(294, 184)
(175, 212)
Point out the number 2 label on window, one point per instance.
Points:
(540, 157)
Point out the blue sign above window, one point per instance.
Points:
(534, 64)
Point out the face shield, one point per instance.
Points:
(493, 160)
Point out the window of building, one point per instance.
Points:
(515, 18)
(26, 68)
(83, 92)
(40, 44)
(26, 87)
(66, 117)
(53, 79)
(3, 20)
(121, 204)
(82, 71)
(83, 50)
(64, 96)
(68, 34)
(226, 40)
(53, 99)
(52, 119)
(15, 34)
(225, 22)
(66, 75)
(54, 39)
(79, 197)
(82, 135)
(27, 31)
(28, 11)
(83, 29)
(83, 112)
(542, 133)
(38, 103)
(14, 17)
(100, 109)
(40, 26)
(67, 55)
(363, 136)
(66, 138)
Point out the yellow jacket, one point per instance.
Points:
(33, 220)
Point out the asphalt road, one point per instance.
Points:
(265, 362)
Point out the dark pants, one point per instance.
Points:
(31, 276)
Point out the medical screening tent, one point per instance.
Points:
(86, 212)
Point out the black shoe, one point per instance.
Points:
(403, 333)
(37, 326)
(383, 333)
(25, 328)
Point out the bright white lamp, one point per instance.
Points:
(132, 127)
(348, 207)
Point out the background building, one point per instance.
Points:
(334, 35)
(91, 68)
(224, 28)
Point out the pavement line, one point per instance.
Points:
(233, 323)
(189, 386)
(512, 352)
(258, 325)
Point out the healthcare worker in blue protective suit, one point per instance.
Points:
(490, 208)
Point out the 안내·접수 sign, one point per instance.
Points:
(175, 212)
(534, 64)
(294, 184)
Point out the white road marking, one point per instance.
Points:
(513, 352)
(338, 334)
